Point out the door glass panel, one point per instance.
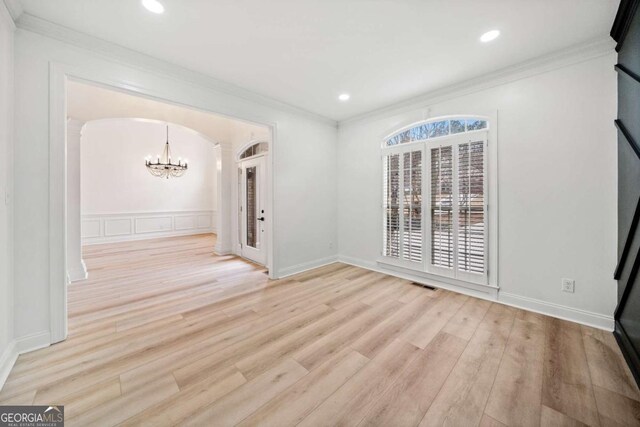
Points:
(251, 207)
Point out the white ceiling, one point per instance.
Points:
(88, 102)
(307, 52)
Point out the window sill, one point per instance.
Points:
(415, 271)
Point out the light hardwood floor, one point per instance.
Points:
(164, 332)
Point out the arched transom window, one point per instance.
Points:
(254, 150)
(435, 197)
(435, 129)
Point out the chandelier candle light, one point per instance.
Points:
(163, 167)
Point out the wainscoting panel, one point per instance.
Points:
(91, 228)
(107, 228)
(117, 227)
(185, 222)
(154, 224)
(204, 221)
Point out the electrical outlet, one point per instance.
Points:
(568, 285)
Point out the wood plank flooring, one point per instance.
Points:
(164, 332)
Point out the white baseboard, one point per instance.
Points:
(583, 317)
(222, 251)
(588, 318)
(299, 268)
(478, 291)
(19, 346)
(78, 273)
(7, 360)
(33, 342)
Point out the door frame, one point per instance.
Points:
(112, 79)
(241, 194)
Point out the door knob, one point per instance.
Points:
(261, 218)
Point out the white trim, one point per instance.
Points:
(479, 291)
(33, 342)
(542, 64)
(58, 76)
(79, 272)
(20, 346)
(9, 12)
(130, 57)
(76, 268)
(436, 119)
(584, 317)
(58, 278)
(235, 227)
(259, 253)
(7, 360)
(9, 355)
(305, 266)
(490, 138)
(561, 58)
(135, 231)
(246, 147)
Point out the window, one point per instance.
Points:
(441, 207)
(443, 232)
(471, 205)
(254, 150)
(403, 205)
(435, 129)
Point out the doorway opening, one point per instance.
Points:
(112, 200)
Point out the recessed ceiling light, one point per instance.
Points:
(344, 97)
(489, 35)
(153, 6)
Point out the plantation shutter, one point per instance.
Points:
(391, 201)
(412, 206)
(471, 204)
(449, 157)
(441, 206)
(402, 200)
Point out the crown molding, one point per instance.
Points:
(562, 58)
(10, 10)
(146, 62)
(542, 64)
(15, 8)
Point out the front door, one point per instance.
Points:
(252, 210)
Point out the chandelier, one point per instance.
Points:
(163, 167)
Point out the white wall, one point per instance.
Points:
(115, 179)
(6, 190)
(305, 153)
(121, 200)
(556, 178)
